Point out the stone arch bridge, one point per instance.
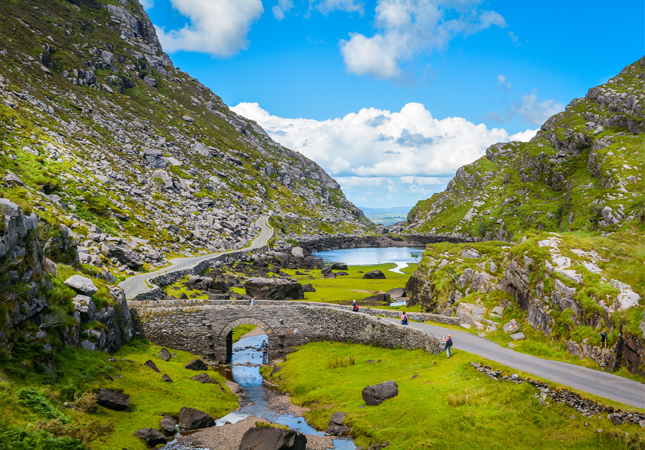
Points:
(205, 326)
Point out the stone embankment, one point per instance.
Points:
(585, 407)
(203, 326)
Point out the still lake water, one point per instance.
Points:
(401, 256)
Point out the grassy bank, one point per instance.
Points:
(80, 371)
(345, 288)
(241, 330)
(449, 404)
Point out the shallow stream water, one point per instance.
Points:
(255, 400)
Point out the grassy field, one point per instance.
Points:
(344, 289)
(448, 406)
(79, 371)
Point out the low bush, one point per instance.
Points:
(339, 363)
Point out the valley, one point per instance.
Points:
(151, 238)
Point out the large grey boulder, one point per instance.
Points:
(125, 255)
(82, 285)
(151, 436)
(511, 327)
(164, 354)
(274, 289)
(191, 419)
(168, 424)
(374, 275)
(377, 394)
(336, 426)
(269, 438)
(116, 401)
(196, 364)
(85, 307)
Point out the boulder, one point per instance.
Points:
(339, 266)
(165, 378)
(325, 270)
(151, 436)
(269, 438)
(116, 401)
(196, 364)
(336, 426)
(164, 354)
(470, 253)
(518, 336)
(376, 394)
(374, 275)
(204, 378)
(381, 229)
(85, 307)
(308, 288)
(82, 285)
(168, 424)
(384, 298)
(152, 365)
(191, 419)
(125, 255)
(511, 327)
(274, 289)
(298, 252)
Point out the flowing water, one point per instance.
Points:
(401, 256)
(255, 401)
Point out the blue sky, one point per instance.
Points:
(392, 96)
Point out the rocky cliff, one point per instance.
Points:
(113, 160)
(100, 132)
(560, 221)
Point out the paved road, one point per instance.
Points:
(594, 382)
(137, 285)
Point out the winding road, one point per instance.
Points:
(594, 382)
(136, 285)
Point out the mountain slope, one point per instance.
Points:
(100, 132)
(561, 221)
(582, 171)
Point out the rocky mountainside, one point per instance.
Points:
(102, 134)
(582, 171)
(560, 221)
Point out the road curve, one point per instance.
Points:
(594, 382)
(136, 285)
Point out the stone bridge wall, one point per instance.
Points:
(201, 326)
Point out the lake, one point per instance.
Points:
(401, 256)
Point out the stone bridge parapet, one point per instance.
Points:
(204, 326)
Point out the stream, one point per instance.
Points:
(258, 399)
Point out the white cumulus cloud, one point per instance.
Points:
(328, 6)
(283, 7)
(406, 28)
(374, 143)
(533, 111)
(216, 27)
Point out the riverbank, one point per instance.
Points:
(441, 403)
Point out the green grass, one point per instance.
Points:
(82, 370)
(449, 404)
(343, 289)
(241, 330)
(179, 287)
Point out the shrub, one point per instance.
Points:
(87, 402)
(39, 403)
(16, 438)
(86, 432)
(341, 362)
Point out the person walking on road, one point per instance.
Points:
(603, 339)
(265, 352)
(448, 341)
(355, 306)
(404, 318)
(253, 303)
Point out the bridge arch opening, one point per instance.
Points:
(226, 334)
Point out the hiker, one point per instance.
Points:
(603, 339)
(448, 341)
(404, 318)
(355, 307)
(265, 352)
(253, 301)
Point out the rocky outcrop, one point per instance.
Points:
(270, 438)
(377, 394)
(113, 400)
(192, 419)
(151, 437)
(336, 426)
(274, 289)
